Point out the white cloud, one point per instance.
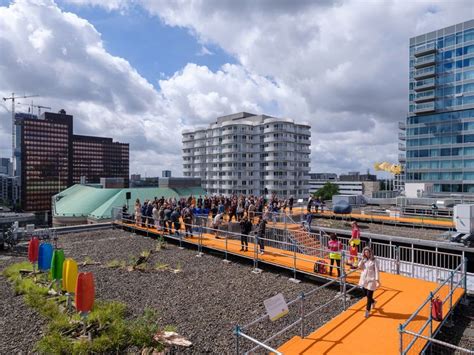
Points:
(341, 65)
(62, 58)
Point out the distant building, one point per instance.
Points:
(112, 183)
(135, 177)
(9, 190)
(438, 134)
(179, 182)
(352, 183)
(144, 182)
(6, 166)
(98, 157)
(166, 173)
(249, 154)
(49, 158)
(356, 176)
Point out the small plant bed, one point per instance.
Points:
(106, 328)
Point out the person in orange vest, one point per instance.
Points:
(354, 243)
(335, 248)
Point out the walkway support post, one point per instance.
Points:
(237, 338)
(430, 319)
(302, 315)
(343, 277)
(397, 253)
(400, 331)
(464, 271)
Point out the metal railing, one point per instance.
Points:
(301, 304)
(418, 263)
(420, 328)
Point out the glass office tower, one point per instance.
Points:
(439, 129)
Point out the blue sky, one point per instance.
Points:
(150, 46)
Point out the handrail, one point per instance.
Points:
(402, 327)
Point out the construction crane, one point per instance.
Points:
(13, 98)
(39, 107)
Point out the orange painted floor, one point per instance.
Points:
(350, 332)
(274, 256)
(380, 218)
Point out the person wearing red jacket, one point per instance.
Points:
(335, 248)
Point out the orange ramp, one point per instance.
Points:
(351, 333)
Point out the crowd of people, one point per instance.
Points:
(252, 213)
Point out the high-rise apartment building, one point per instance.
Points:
(439, 129)
(49, 158)
(249, 154)
(98, 157)
(44, 157)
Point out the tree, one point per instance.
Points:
(327, 191)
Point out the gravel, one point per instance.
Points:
(20, 326)
(204, 300)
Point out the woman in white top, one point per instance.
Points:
(369, 278)
(138, 212)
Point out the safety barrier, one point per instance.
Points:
(420, 328)
(428, 265)
(300, 303)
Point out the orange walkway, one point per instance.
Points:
(380, 218)
(350, 332)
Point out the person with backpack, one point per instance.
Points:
(245, 229)
(335, 249)
(369, 277)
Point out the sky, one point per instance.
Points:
(141, 71)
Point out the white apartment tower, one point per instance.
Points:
(245, 153)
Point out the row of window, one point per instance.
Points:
(438, 117)
(441, 164)
(447, 41)
(458, 139)
(439, 176)
(442, 152)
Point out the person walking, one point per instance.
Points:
(138, 212)
(245, 229)
(335, 248)
(261, 234)
(354, 243)
(369, 278)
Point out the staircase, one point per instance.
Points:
(306, 243)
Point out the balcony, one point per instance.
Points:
(402, 136)
(425, 61)
(227, 168)
(228, 159)
(424, 73)
(425, 107)
(425, 96)
(402, 125)
(425, 49)
(402, 158)
(270, 139)
(228, 150)
(425, 85)
(188, 154)
(402, 147)
(228, 141)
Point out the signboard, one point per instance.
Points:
(276, 307)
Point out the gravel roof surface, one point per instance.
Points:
(205, 300)
(20, 326)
